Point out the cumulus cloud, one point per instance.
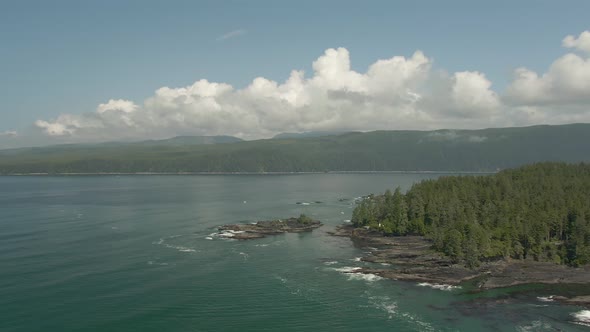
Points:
(402, 92)
(118, 105)
(581, 43)
(566, 82)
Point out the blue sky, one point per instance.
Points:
(67, 57)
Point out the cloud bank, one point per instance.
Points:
(402, 92)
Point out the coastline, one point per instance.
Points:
(410, 258)
(249, 173)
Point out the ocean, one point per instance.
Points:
(141, 253)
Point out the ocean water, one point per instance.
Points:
(139, 253)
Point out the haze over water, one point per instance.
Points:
(138, 253)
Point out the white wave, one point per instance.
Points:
(282, 279)
(346, 269)
(412, 318)
(245, 255)
(545, 298)
(442, 287)
(357, 259)
(183, 249)
(385, 264)
(390, 308)
(384, 303)
(208, 238)
(261, 245)
(331, 262)
(364, 276)
(346, 220)
(582, 317)
(229, 233)
(536, 325)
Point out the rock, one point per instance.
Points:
(412, 259)
(268, 227)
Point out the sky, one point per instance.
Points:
(91, 71)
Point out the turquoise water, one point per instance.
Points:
(135, 253)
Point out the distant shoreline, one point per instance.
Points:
(248, 173)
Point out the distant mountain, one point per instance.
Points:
(169, 142)
(400, 150)
(191, 140)
(309, 134)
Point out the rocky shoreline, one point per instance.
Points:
(411, 258)
(261, 229)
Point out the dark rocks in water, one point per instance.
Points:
(412, 259)
(270, 227)
(583, 301)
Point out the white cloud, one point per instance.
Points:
(232, 34)
(581, 43)
(395, 93)
(8, 133)
(566, 82)
(471, 94)
(120, 105)
(57, 128)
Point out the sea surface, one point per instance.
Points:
(141, 253)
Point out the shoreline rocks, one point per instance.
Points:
(261, 229)
(410, 258)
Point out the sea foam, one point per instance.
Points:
(442, 287)
(346, 269)
(582, 317)
(364, 276)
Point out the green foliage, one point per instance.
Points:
(539, 212)
(303, 219)
(442, 150)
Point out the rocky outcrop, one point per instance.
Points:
(271, 227)
(411, 258)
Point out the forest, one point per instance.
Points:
(539, 211)
(486, 150)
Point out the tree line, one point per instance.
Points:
(540, 212)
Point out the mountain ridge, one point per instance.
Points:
(401, 150)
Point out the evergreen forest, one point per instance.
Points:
(539, 212)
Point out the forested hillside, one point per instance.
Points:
(539, 212)
(441, 150)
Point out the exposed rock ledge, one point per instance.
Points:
(411, 258)
(271, 227)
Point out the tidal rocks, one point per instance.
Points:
(270, 227)
(411, 258)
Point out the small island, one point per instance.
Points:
(520, 226)
(261, 229)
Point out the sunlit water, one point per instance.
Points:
(138, 253)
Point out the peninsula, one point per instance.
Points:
(519, 226)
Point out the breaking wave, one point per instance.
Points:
(442, 287)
